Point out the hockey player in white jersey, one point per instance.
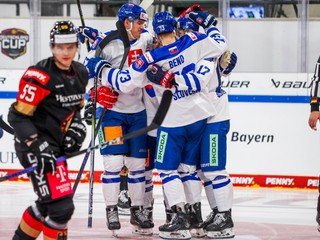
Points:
(180, 134)
(218, 187)
(126, 116)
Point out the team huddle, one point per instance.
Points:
(188, 150)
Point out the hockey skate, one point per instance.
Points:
(141, 225)
(148, 212)
(209, 218)
(178, 227)
(124, 203)
(196, 221)
(113, 222)
(222, 226)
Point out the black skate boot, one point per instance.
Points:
(178, 227)
(209, 218)
(169, 214)
(124, 203)
(141, 224)
(196, 221)
(113, 222)
(148, 212)
(222, 226)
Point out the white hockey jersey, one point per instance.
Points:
(130, 101)
(181, 57)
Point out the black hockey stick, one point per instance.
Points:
(156, 122)
(82, 22)
(126, 44)
(103, 43)
(6, 127)
(113, 35)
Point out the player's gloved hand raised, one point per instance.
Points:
(194, 7)
(105, 96)
(161, 77)
(88, 109)
(75, 136)
(45, 156)
(227, 62)
(201, 18)
(87, 33)
(95, 66)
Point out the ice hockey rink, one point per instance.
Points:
(258, 213)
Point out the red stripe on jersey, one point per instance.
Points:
(37, 75)
(31, 93)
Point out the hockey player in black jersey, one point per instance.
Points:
(47, 124)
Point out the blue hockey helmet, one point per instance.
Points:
(187, 24)
(132, 12)
(163, 22)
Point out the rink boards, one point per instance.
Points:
(269, 143)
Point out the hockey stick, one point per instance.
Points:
(126, 44)
(145, 4)
(156, 122)
(102, 44)
(82, 22)
(6, 127)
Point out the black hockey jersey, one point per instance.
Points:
(48, 99)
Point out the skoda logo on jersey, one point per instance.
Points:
(13, 42)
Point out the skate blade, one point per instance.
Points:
(197, 232)
(226, 233)
(180, 234)
(142, 231)
(318, 228)
(115, 233)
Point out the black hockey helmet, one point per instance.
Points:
(63, 32)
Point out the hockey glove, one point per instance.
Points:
(227, 62)
(75, 136)
(161, 77)
(87, 33)
(194, 7)
(88, 109)
(45, 156)
(105, 96)
(201, 18)
(95, 66)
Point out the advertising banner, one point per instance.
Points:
(269, 142)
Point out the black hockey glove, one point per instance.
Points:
(74, 137)
(88, 109)
(45, 156)
(161, 77)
